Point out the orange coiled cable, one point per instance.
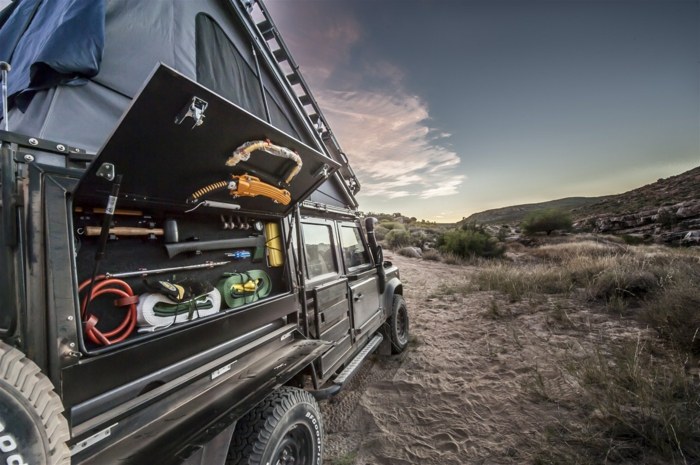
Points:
(108, 286)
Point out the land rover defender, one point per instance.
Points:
(185, 271)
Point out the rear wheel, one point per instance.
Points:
(32, 428)
(284, 429)
(398, 325)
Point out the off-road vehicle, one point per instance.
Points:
(184, 268)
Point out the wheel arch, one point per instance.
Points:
(393, 287)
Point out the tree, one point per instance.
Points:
(546, 221)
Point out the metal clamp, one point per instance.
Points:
(195, 110)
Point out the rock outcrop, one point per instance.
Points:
(662, 212)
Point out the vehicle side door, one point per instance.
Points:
(326, 291)
(362, 277)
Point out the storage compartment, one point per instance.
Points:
(163, 270)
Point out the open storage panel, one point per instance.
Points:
(196, 228)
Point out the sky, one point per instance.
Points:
(450, 107)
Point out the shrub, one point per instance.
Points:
(380, 232)
(632, 239)
(667, 218)
(624, 284)
(431, 254)
(546, 221)
(470, 243)
(674, 314)
(452, 259)
(397, 238)
(391, 225)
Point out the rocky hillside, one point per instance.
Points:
(516, 213)
(663, 211)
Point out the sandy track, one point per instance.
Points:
(463, 391)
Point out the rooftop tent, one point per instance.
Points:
(76, 93)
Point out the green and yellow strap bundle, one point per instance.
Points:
(243, 288)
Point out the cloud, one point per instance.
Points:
(387, 138)
(383, 128)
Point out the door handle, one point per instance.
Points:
(358, 297)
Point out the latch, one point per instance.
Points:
(195, 110)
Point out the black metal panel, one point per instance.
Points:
(334, 357)
(8, 250)
(331, 293)
(337, 331)
(330, 315)
(128, 391)
(163, 163)
(93, 376)
(162, 432)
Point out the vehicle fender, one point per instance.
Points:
(393, 287)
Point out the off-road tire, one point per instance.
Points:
(289, 419)
(398, 325)
(32, 427)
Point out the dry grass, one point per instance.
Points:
(632, 405)
(432, 254)
(632, 401)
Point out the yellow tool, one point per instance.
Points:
(246, 185)
(273, 243)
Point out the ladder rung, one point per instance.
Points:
(265, 26)
(280, 55)
(293, 78)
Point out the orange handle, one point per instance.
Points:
(250, 186)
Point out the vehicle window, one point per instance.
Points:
(354, 251)
(318, 250)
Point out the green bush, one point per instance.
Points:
(546, 221)
(397, 238)
(391, 225)
(470, 243)
(380, 232)
(667, 218)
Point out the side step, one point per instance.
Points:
(349, 370)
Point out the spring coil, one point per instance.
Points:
(207, 189)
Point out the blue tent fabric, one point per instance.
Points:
(49, 43)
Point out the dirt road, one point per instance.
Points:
(467, 389)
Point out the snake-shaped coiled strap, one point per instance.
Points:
(242, 153)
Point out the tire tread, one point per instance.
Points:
(37, 390)
(255, 429)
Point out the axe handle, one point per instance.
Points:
(124, 231)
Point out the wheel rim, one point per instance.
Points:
(402, 325)
(296, 447)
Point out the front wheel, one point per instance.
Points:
(398, 325)
(284, 429)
